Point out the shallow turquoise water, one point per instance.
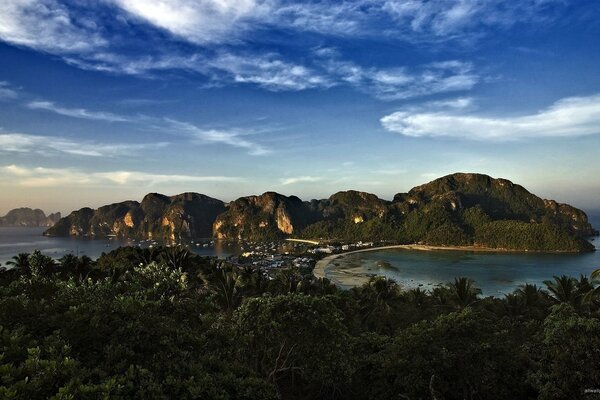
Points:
(494, 273)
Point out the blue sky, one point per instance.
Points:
(106, 100)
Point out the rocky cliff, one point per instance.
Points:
(458, 209)
(268, 216)
(188, 215)
(27, 217)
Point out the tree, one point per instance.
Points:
(40, 264)
(294, 340)
(569, 355)
(20, 262)
(563, 289)
(377, 299)
(463, 292)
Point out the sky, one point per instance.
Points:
(106, 100)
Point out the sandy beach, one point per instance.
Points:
(321, 265)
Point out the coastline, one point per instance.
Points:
(321, 265)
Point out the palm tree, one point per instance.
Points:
(593, 292)
(378, 297)
(532, 295)
(147, 256)
(288, 278)
(176, 257)
(417, 297)
(463, 292)
(225, 286)
(20, 262)
(514, 305)
(563, 289)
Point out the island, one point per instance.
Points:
(28, 218)
(461, 209)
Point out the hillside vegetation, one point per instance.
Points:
(166, 324)
(458, 209)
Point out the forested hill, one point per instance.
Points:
(458, 209)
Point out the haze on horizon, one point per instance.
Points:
(106, 101)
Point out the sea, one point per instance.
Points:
(495, 273)
(27, 240)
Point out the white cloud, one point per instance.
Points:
(231, 137)
(6, 93)
(573, 116)
(44, 145)
(199, 21)
(267, 71)
(52, 177)
(400, 82)
(77, 112)
(442, 20)
(300, 179)
(47, 25)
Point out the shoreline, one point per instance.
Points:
(322, 264)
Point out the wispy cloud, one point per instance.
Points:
(301, 179)
(228, 136)
(53, 177)
(6, 92)
(48, 25)
(231, 137)
(268, 71)
(45, 145)
(401, 82)
(573, 116)
(227, 44)
(217, 21)
(462, 19)
(78, 112)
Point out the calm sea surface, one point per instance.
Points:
(26, 240)
(495, 273)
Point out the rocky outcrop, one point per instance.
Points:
(270, 215)
(188, 215)
(458, 209)
(27, 217)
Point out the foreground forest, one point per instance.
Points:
(167, 324)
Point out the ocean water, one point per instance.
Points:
(495, 273)
(26, 240)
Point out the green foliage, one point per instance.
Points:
(295, 337)
(162, 324)
(519, 235)
(569, 355)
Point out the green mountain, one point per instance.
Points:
(27, 217)
(458, 209)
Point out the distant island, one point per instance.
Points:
(462, 209)
(29, 218)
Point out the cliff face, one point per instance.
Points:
(27, 217)
(270, 215)
(188, 215)
(458, 209)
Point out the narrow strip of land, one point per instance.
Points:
(303, 241)
(319, 271)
